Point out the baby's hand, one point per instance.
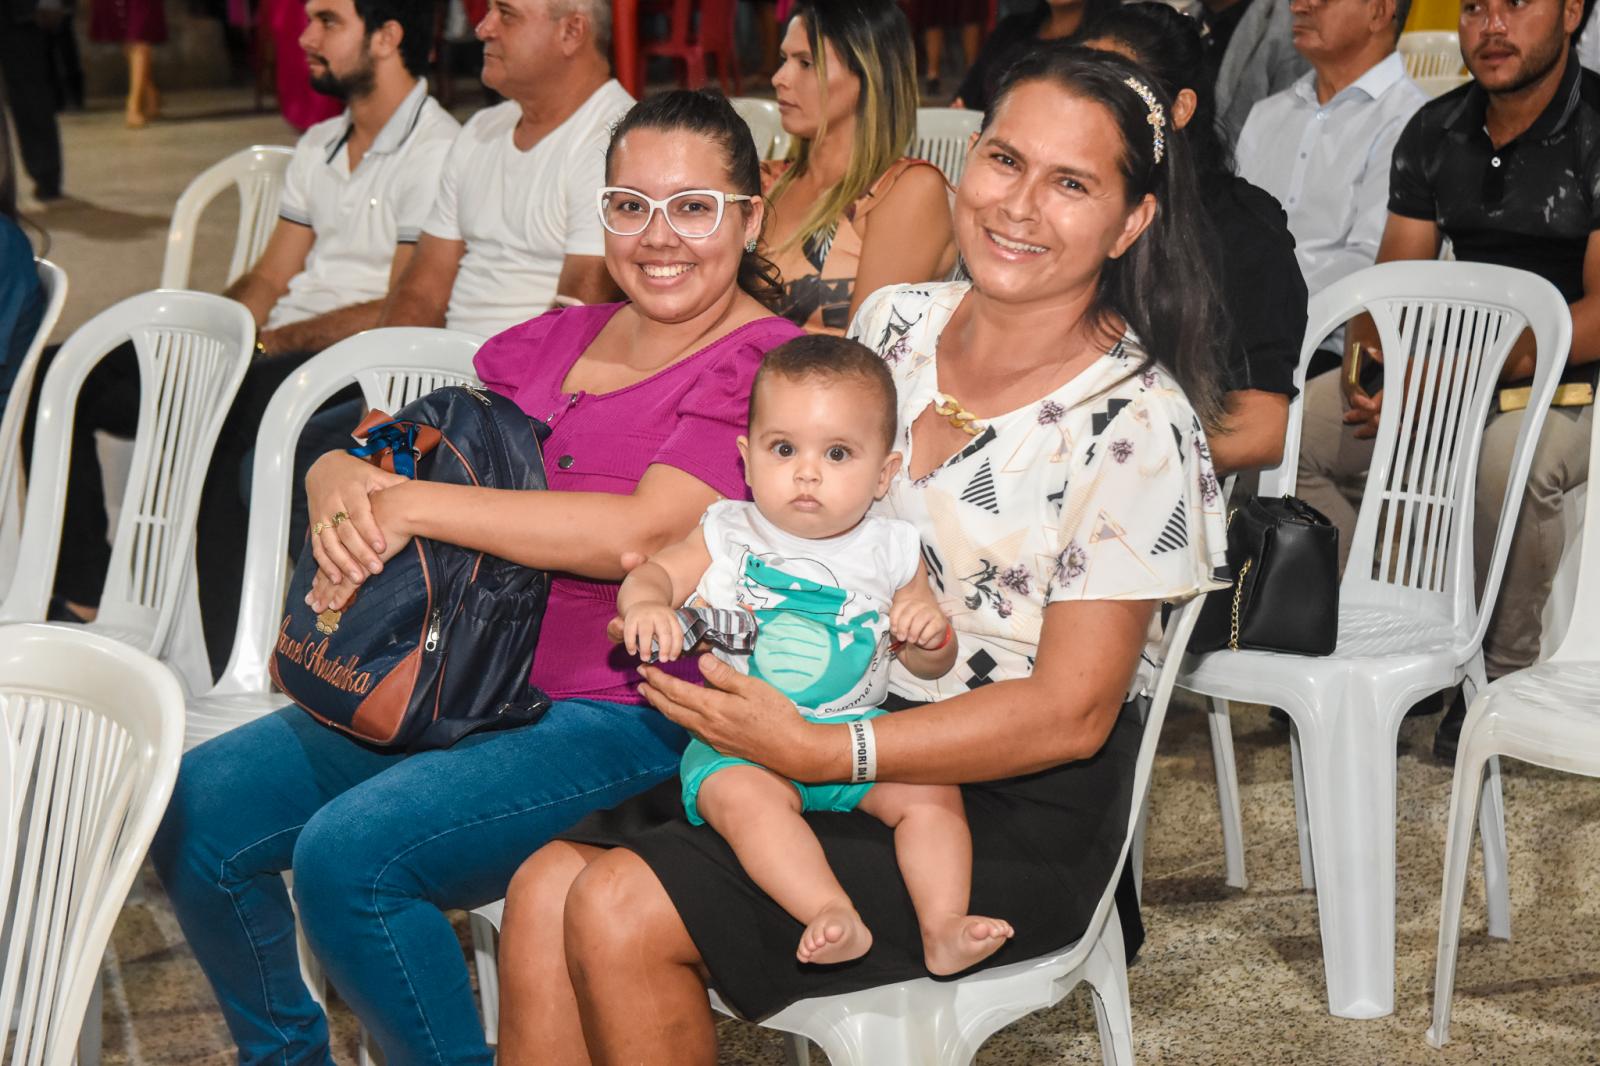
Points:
(918, 621)
(656, 623)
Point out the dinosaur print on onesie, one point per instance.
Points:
(821, 606)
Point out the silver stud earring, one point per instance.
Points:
(749, 246)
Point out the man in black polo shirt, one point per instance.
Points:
(1508, 168)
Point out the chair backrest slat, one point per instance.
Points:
(942, 135)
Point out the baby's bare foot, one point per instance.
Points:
(962, 941)
(837, 934)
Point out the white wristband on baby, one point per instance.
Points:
(863, 753)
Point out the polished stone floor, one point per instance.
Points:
(1227, 976)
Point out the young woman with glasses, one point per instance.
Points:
(849, 212)
(645, 400)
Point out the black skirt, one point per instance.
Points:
(1044, 847)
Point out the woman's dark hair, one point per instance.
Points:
(1168, 45)
(1162, 286)
(711, 116)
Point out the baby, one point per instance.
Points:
(827, 585)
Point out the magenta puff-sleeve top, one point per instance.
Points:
(687, 416)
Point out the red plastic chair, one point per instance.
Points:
(693, 44)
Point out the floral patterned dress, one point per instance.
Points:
(1101, 490)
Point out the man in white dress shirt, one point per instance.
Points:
(514, 223)
(1322, 146)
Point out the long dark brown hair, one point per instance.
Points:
(1162, 286)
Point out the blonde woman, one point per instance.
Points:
(849, 213)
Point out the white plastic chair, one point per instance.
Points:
(258, 175)
(1547, 714)
(766, 125)
(1433, 60)
(1408, 621)
(942, 136)
(943, 1023)
(193, 349)
(97, 730)
(392, 368)
(53, 280)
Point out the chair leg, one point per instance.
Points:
(1348, 754)
(1308, 875)
(1227, 792)
(368, 1054)
(796, 1050)
(1106, 971)
(485, 945)
(1136, 848)
(1492, 834)
(1464, 794)
(91, 1036)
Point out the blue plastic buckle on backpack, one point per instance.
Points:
(399, 438)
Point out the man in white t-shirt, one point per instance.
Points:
(514, 223)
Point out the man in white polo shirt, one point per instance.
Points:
(360, 185)
(357, 191)
(354, 199)
(514, 223)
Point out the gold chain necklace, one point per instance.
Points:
(955, 414)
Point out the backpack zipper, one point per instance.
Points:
(432, 641)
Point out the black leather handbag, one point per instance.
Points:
(1284, 555)
(439, 644)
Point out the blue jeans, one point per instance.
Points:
(380, 845)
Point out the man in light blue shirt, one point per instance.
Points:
(1322, 146)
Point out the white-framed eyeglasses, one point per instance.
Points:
(693, 213)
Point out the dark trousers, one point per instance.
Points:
(109, 401)
(25, 62)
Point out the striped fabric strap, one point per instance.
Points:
(732, 631)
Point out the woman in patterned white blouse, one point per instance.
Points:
(1051, 418)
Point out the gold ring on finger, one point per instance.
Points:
(318, 527)
(340, 517)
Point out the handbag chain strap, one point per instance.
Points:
(1238, 595)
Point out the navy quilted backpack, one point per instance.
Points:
(439, 644)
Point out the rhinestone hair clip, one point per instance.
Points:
(1157, 117)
